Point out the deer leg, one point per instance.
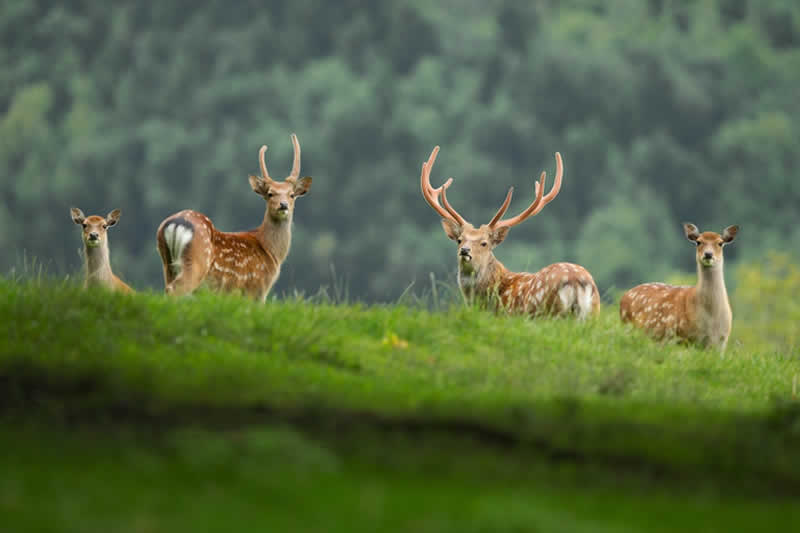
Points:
(723, 345)
(173, 284)
(185, 282)
(169, 276)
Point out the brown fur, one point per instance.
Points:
(248, 261)
(557, 289)
(699, 314)
(538, 293)
(95, 250)
(484, 279)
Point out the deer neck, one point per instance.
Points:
(710, 292)
(275, 236)
(482, 282)
(98, 265)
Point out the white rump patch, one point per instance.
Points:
(177, 236)
(585, 294)
(567, 296)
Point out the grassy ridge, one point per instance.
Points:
(550, 411)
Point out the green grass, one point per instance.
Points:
(140, 413)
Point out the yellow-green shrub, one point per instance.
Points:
(766, 304)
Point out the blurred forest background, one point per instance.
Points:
(664, 111)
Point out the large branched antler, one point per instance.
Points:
(538, 203)
(446, 211)
(431, 195)
(458, 218)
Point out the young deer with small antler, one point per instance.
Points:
(561, 288)
(194, 251)
(699, 314)
(95, 249)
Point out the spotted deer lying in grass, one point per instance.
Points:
(560, 288)
(95, 249)
(699, 314)
(194, 251)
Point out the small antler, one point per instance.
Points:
(538, 203)
(295, 174)
(431, 195)
(263, 163)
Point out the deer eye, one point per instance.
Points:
(270, 195)
(484, 243)
(458, 241)
(697, 243)
(105, 226)
(291, 195)
(84, 225)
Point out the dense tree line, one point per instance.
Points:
(663, 110)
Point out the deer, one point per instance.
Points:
(699, 315)
(95, 250)
(194, 252)
(557, 289)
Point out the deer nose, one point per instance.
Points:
(708, 255)
(93, 236)
(283, 205)
(464, 250)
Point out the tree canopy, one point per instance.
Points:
(664, 111)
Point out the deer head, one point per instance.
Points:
(94, 227)
(280, 195)
(709, 244)
(476, 245)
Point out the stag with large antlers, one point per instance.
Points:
(194, 251)
(557, 289)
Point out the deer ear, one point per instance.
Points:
(691, 231)
(259, 185)
(77, 215)
(451, 228)
(730, 233)
(498, 235)
(302, 186)
(113, 217)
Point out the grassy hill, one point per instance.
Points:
(140, 413)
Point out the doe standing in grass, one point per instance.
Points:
(560, 288)
(699, 314)
(194, 251)
(95, 249)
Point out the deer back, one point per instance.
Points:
(663, 310)
(555, 289)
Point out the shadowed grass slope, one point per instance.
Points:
(327, 400)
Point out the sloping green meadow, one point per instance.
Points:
(212, 413)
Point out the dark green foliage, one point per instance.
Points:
(663, 110)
